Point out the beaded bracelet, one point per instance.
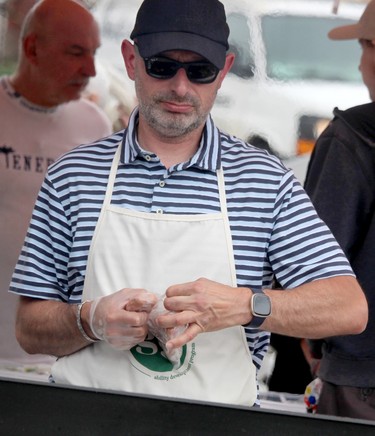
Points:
(79, 323)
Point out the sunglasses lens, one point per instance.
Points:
(202, 72)
(161, 68)
(164, 68)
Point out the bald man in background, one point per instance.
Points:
(42, 116)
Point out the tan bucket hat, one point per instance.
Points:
(364, 29)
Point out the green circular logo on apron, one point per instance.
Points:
(150, 354)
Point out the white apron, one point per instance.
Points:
(153, 251)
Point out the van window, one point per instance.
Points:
(239, 44)
(298, 48)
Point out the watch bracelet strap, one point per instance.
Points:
(255, 322)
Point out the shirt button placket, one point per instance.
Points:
(161, 185)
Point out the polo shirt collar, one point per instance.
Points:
(207, 157)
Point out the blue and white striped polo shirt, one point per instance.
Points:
(275, 229)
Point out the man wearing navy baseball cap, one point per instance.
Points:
(164, 287)
(194, 25)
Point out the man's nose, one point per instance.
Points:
(180, 82)
(88, 67)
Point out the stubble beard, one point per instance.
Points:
(168, 124)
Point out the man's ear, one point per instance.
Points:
(128, 54)
(229, 61)
(29, 47)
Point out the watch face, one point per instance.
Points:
(261, 305)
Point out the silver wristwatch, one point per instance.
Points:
(260, 307)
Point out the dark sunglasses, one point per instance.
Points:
(164, 68)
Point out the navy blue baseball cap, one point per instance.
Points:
(195, 25)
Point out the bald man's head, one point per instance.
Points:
(58, 43)
(46, 14)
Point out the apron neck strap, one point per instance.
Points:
(113, 172)
(112, 176)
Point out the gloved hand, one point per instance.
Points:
(164, 335)
(121, 318)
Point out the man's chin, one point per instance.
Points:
(71, 96)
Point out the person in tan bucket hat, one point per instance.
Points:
(341, 184)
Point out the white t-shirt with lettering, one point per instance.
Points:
(31, 138)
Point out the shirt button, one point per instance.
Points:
(162, 183)
(159, 211)
(148, 157)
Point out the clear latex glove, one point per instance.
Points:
(121, 318)
(164, 335)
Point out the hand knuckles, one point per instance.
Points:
(203, 322)
(200, 284)
(138, 319)
(201, 303)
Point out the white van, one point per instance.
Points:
(288, 76)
